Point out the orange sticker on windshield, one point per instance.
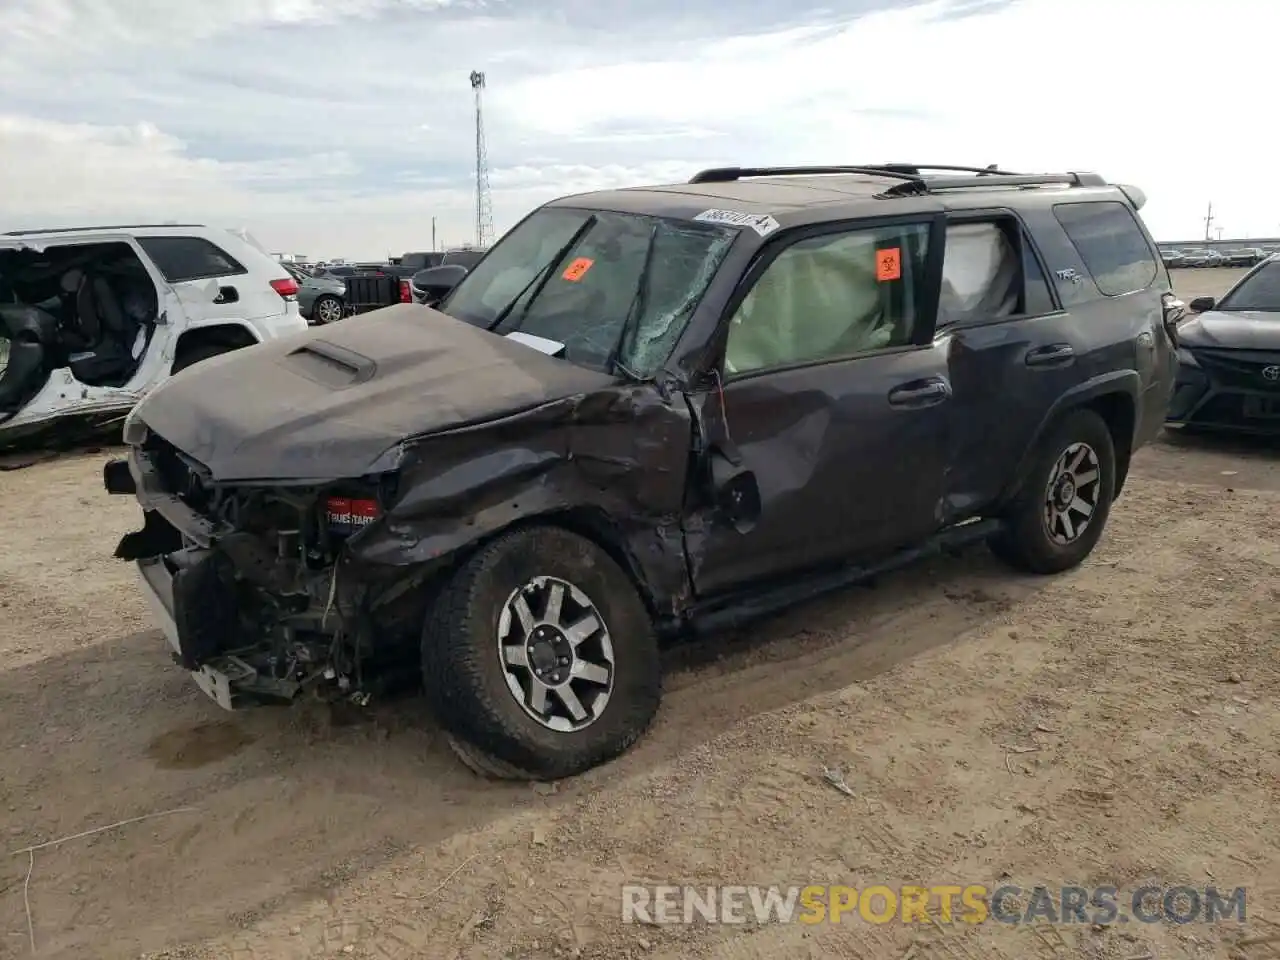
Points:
(577, 270)
(888, 264)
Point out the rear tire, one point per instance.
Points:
(1058, 517)
(326, 309)
(190, 356)
(539, 659)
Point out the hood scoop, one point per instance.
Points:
(330, 365)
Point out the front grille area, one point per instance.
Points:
(1239, 369)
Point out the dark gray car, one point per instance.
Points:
(320, 299)
(646, 412)
(1229, 358)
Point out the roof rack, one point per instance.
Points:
(730, 174)
(110, 226)
(991, 170)
(912, 180)
(993, 179)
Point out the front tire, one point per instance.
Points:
(539, 659)
(1058, 517)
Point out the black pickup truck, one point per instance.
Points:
(393, 283)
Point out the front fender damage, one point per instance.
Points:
(613, 462)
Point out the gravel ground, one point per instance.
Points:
(1110, 726)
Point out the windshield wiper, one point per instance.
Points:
(539, 279)
(638, 304)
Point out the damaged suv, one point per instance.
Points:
(92, 318)
(649, 411)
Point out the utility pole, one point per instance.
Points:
(433, 234)
(1208, 221)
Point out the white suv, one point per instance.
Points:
(91, 319)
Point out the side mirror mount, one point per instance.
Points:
(438, 282)
(1201, 304)
(736, 493)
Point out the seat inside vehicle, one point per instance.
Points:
(27, 335)
(97, 308)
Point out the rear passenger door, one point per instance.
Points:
(1011, 350)
(835, 399)
(207, 283)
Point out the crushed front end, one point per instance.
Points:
(251, 584)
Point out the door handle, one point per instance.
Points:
(919, 393)
(1052, 355)
(227, 295)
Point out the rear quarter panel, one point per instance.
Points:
(1107, 330)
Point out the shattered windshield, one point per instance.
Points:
(616, 289)
(1260, 291)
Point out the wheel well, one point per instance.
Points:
(1118, 412)
(590, 523)
(597, 526)
(224, 335)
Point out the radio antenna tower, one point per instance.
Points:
(484, 202)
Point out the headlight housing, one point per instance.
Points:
(134, 432)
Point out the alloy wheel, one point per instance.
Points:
(556, 654)
(329, 310)
(1071, 495)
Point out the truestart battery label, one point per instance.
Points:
(346, 514)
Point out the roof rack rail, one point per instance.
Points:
(108, 226)
(993, 179)
(730, 174)
(991, 170)
(911, 175)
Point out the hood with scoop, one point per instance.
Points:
(1222, 330)
(329, 403)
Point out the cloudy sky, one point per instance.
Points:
(341, 127)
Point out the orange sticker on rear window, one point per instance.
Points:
(888, 264)
(577, 270)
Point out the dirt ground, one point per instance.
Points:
(1115, 725)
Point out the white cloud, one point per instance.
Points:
(343, 126)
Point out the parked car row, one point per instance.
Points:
(331, 292)
(1241, 257)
